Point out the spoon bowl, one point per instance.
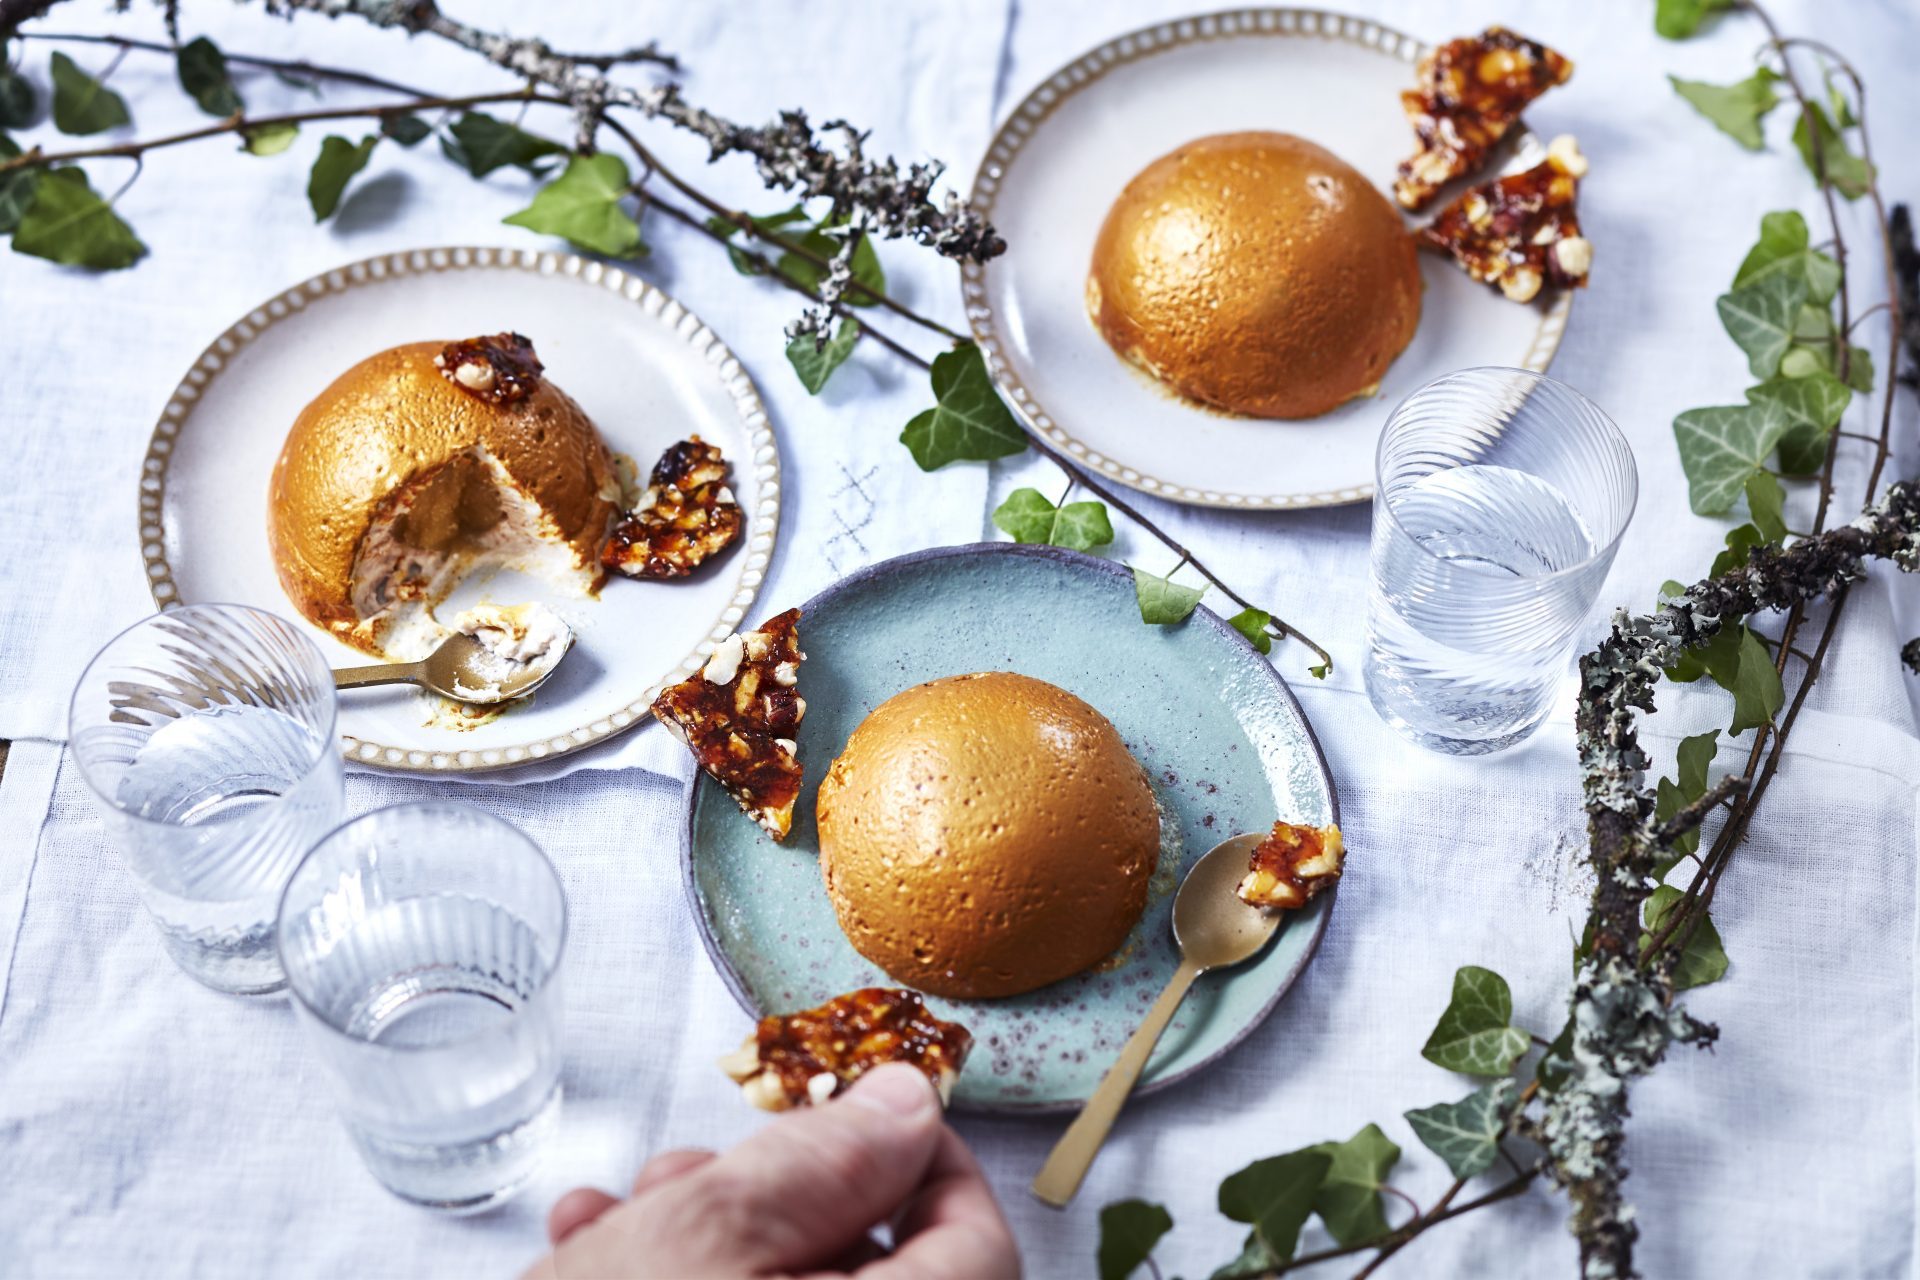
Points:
(456, 669)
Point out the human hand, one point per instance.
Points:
(799, 1198)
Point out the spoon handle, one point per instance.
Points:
(378, 673)
(1073, 1155)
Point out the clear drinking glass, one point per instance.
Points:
(422, 944)
(1499, 499)
(207, 732)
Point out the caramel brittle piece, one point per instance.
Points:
(1470, 92)
(738, 715)
(498, 369)
(1521, 231)
(1292, 865)
(803, 1059)
(687, 516)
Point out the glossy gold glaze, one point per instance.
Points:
(983, 835)
(394, 421)
(1256, 273)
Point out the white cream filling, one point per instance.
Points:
(516, 641)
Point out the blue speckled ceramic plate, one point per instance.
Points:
(1222, 738)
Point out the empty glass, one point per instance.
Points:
(207, 734)
(1499, 499)
(422, 944)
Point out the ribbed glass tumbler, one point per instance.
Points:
(1499, 500)
(422, 944)
(206, 732)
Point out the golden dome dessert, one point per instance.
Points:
(1256, 273)
(426, 462)
(983, 835)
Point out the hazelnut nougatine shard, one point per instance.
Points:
(687, 516)
(1291, 865)
(498, 369)
(803, 1059)
(738, 715)
(1520, 232)
(1469, 93)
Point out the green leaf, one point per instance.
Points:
(335, 166)
(969, 422)
(1805, 359)
(1466, 1134)
(1275, 1195)
(1255, 1259)
(292, 81)
(743, 262)
(1756, 690)
(1678, 19)
(1860, 370)
(1164, 602)
(269, 139)
(865, 265)
(1808, 409)
(1473, 1036)
(1723, 445)
(408, 131)
(1694, 755)
(1846, 172)
(203, 74)
(68, 223)
(815, 361)
(1252, 623)
(17, 98)
(1760, 317)
(1320, 670)
(1349, 1198)
(1741, 540)
(1128, 1231)
(583, 205)
(480, 144)
(1783, 250)
(1737, 108)
(1704, 960)
(1718, 658)
(82, 104)
(1556, 1064)
(1667, 801)
(16, 188)
(1029, 517)
(1766, 500)
(1813, 324)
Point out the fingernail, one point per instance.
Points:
(894, 1088)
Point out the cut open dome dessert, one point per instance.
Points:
(427, 462)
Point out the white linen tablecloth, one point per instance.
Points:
(149, 1127)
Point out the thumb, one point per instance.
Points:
(814, 1182)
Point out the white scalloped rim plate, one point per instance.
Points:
(644, 367)
(1061, 158)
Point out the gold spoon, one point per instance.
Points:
(449, 672)
(1213, 928)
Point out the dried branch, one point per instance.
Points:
(1906, 270)
(1690, 817)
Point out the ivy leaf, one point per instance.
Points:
(1474, 1035)
(1128, 1231)
(1255, 1260)
(82, 104)
(1704, 960)
(203, 74)
(407, 130)
(1029, 517)
(480, 144)
(744, 263)
(1164, 602)
(1556, 1064)
(1737, 108)
(1766, 500)
(1695, 754)
(335, 166)
(1805, 359)
(70, 224)
(269, 139)
(292, 81)
(583, 205)
(1846, 172)
(968, 422)
(16, 188)
(865, 265)
(1741, 540)
(1808, 408)
(1860, 370)
(1678, 19)
(1723, 445)
(1760, 317)
(1252, 623)
(1349, 1199)
(1718, 658)
(1667, 801)
(1275, 1195)
(816, 361)
(1783, 250)
(1466, 1134)
(1756, 690)
(17, 98)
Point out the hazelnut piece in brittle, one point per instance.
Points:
(500, 368)
(687, 516)
(1291, 865)
(803, 1059)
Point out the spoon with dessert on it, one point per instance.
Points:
(495, 654)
